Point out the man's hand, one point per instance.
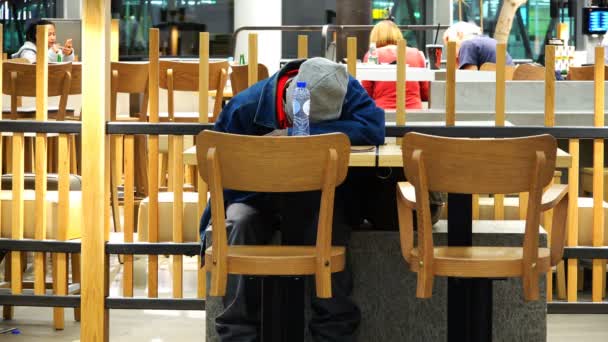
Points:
(67, 48)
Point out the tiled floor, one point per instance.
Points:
(35, 324)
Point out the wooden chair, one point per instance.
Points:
(473, 166)
(273, 164)
(509, 69)
(529, 72)
(239, 80)
(19, 80)
(129, 78)
(183, 76)
(584, 73)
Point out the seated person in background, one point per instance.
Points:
(472, 48)
(386, 35)
(338, 104)
(28, 50)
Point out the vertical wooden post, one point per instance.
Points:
(153, 163)
(252, 75)
(549, 122)
(550, 85)
(401, 76)
(115, 40)
(501, 60)
(203, 87)
(41, 156)
(450, 86)
(96, 70)
(174, 41)
(302, 46)
(573, 176)
(599, 272)
(178, 213)
(129, 219)
(351, 55)
(63, 222)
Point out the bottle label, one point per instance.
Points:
(306, 107)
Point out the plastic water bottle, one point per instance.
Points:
(301, 110)
(372, 58)
(59, 58)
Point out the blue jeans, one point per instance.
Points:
(295, 215)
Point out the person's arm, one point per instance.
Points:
(52, 55)
(68, 58)
(424, 85)
(361, 119)
(28, 54)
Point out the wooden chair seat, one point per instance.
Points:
(277, 260)
(480, 262)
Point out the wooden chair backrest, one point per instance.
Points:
(238, 77)
(185, 78)
(25, 79)
(76, 85)
(509, 69)
(584, 73)
(185, 75)
(474, 166)
(529, 72)
(271, 164)
(132, 77)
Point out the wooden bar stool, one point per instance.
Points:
(273, 164)
(474, 166)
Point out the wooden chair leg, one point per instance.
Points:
(76, 280)
(58, 318)
(561, 281)
(7, 310)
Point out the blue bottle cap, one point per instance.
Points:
(301, 84)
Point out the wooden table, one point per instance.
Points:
(388, 72)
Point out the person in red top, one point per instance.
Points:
(386, 35)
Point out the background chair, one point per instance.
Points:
(509, 69)
(529, 72)
(273, 164)
(474, 166)
(584, 73)
(239, 74)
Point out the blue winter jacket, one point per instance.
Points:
(253, 112)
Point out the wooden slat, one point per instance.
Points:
(450, 86)
(302, 46)
(63, 222)
(17, 211)
(178, 212)
(41, 158)
(115, 40)
(129, 207)
(203, 82)
(549, 122)
(401, 63)
(252, 70)
(351, 55)
(550, 85)
(599, 273)
(174, 41)
(95, 91)
(501, 60)
(153, 164)
(201, 185)
(573, 176)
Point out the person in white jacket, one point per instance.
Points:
(56, 53)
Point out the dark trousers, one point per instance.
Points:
(295, 215)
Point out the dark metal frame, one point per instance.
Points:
(190, 249)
